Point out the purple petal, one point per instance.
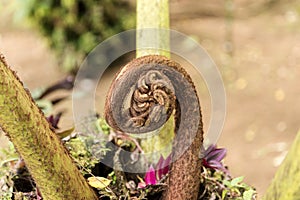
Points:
(159, 167)
(166, 165)
(160, 162)
(162, 166)
(217, 165)
(209, 149)
(150, 178)
(53, 120)
(205, 163)
(216, 154)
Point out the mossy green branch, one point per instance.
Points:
(154, 15)
(49, 163)
(286, 184)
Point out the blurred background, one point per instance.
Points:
(255, 44)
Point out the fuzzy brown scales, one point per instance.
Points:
(153, 96)
(135, 86)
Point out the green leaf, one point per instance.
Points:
(235, 182)
(101, 125)
(247, 195)
(36, 93)
(224, 192)
(65, 133)
(45, 105)
(227, 183)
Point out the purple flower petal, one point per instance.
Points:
(150, 178)
(209, 149)
(162, 166)
(213, 157)
(218, 165)
(54, 119)
(215, 164)
(160, 162)
(217, 154)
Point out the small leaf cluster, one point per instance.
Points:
(219, 185)
(236, 189)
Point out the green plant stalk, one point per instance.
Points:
(154, 15)
(53, 170)
(286, 184)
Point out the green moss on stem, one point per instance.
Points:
(286, 184)
(46, 158)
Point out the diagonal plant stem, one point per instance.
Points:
(53, 170)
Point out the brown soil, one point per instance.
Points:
(260, 75)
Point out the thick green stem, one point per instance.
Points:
(286, 184)
(153, 14)
(184, 177)
(153, 31)
(49, 163)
